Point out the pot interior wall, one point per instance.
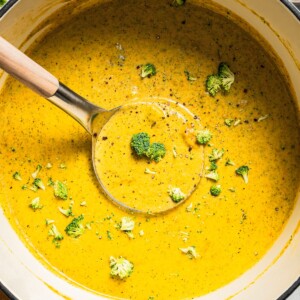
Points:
(22, 26)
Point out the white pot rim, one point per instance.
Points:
(294, 11)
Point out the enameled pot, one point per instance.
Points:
(22, 276)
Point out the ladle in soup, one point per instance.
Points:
(133, 182)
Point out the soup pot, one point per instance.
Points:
(22, 276)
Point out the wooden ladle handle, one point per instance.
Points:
(20, 66)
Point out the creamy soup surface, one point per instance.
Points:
(99, 54)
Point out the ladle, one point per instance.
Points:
(94, 118)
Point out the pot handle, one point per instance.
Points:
(20, 66)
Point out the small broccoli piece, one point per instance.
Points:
(156, 151)
(236, 122)
(189, 208)
(75, 228)
(57, 236)
(176, 194)
(189, 76)
(89, 225)
(34, 188)
(213, 166)
(48, 166)
(203, 137)
(148, 171)
(35, 204)
(62, 166)
(226, 76)
(177, 3)
(213, 176)
(24, 187)
(67, 212)
(127, 224)
(36, 172)
(228, 122)
(140, 143)
(215, 190)
(39, 183)
(109, 236)
(229, 162)
(262, 118)
(17, 176)
(49, 221)
(60, 190)
(147, 70)
(243, 171)
(50, 182)
(216, 155)
(190, 252)
(174, 150)
(120, 267)
(213, 84)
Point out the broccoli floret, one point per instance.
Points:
(148, 171)
(49, 221)
(190, 252)
(226, 76)
(213, 176)
(203, 137)
(120, 267)
(17, 176)
(57, 236)
(216, 155)
(35, 204)
(62, 166)
(228, 122)
(156, 151)
(34, 188)
(215, 190)
(189, 76)
(67, 212)
(262, 118)
(2, 2)
(177, 3)
(176, 194)
(229, 162)
(36, 172)
(140, 143)
(127, 224)
(48, 166)
(243, 171)
(60, 190)
(109, 236)
(174, 150)
(213, 166)
(89, 225)
(50, 182)
(75, 228)
(147, 70)
(213, 84)
(39, 183)
(223, 80)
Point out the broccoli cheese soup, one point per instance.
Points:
(248, 139)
